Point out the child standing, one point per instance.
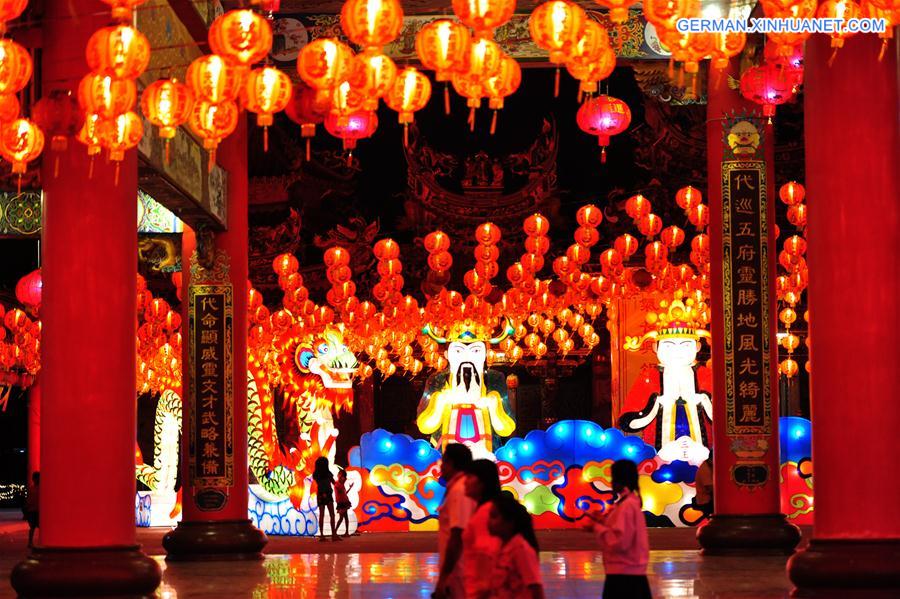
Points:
(622, 533)
(517, 573)
(343, 501)
(324, 496)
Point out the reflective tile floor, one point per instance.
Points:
(566, 574)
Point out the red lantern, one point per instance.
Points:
(352, 128)
(119, 135)
(28, 290)
(241, 35)
(120, 51)
(9, 108)
(483, 16)
(768, 86)
(688, 197)
(266, 92)
(325, 63)
(9, 10)
(604, 116)
(21, 141)
(792, 193)
(17, 67)
(213, 123)
(60, 117)
(409, 94)
(372, 23)
(443, 47)
(307, 108)
(536, 224)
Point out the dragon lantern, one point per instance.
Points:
(466, 403)
(667, 402)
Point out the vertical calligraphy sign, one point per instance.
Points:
(211, 446)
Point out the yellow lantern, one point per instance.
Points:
(119, 135)
(267, 91)
(213, 123)
(410, 93)
(501, 85)
(372, 23)
(167, 104)
(592, 73)
(374, 76)
(241, 35)
(325, 63)
(618, 9)
(21, 141)
(106, 97)
(214, 78)
(15, 67)
(556, 26)
(120, 51)
(483, 16)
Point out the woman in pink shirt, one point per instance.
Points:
(479, 547)
(517, 571)
(622, 533)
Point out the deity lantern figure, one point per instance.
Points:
(466, 403)
(670, 402)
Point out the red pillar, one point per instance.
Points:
(88, 409)
(34, 428)
(747, 516)
(852, 167)
(215, 524)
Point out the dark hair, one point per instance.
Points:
(625, 474)
(321, 472)
(514, 512)
(459, 455)
(486, 472)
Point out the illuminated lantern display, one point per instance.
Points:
(483, 16)
(839, 9)
(308, 107)
(688, 197)
(618, 9)
(28, 291)
(502, 85)
(122, 10)
(792, 193)
(21, 141)
(604, 116)
(120, 134)
(9, 10)
(15, 67)
(443, 46)
(60, 117)
(242, 36)
(266, 92)
(374, 76)
(591, 73)
(119, 51)
(9, 109)
(325, 63)
(766, 86)
(356, 126)
(410, 93)
(213, 123)
(167, 104)
(557, 26)
(372, 23)
(214, 79)
(106, 97)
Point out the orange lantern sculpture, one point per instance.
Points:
(325, 63)
(119, 135)
(267, 91)
(483, 16)
(106, 97)
(356, 126)
(603, 116)
(21, 141)
(591, 73)
(16, 67)
(241, 35)
(374, 76)
(557, 26)
(213, 123)
(120, 51)
(9, 108)
(766, 86)
(372, 23)
(410, 93)
(618, 9)
(308, 107)
(214, 79)
(502, 85)
(167, 104)
(59, 116)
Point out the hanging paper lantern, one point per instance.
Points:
(889, 10)
(119, 135)
(839, 9)
(556, 26)
(483, 16)
(120, 51)
(28, 290)
(59, 116)
(664, 14)
(726, 45)
(484, 59)
(106, 97)
(308, 107)
(21, 141)
(789, 9)
(213, 123)
(502, 85)
(443, 46)
(9, 10)
(9, 109)
(766, 86)
(214, 79)
(167, 104)
(672, 236)
(15, 67)
(688, 197)
(699, 46)
(325, 63)
(122, 10)
(604, 116)
(618, 9)
(410, 93)
(346, 99)
(590, 74)
(372, 23)
(242, 36)
(594, 39)
(89, 135)
(789, 59)
(792, 193)
(373, 77)
(536, 225)
(356, 126)
(267, 91)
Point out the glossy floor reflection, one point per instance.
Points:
(682, 574)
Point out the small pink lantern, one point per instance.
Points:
(604, 116)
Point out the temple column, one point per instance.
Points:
(741, 191)
(88, 409)
(852, 157)
(34, 428)
(215, 475)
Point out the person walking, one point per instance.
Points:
(480, 547)
(343, 501)
(32, 507)
(622, 533)
(516, 573)
(324, 496)
(453, 517)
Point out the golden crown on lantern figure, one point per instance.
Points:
(681, 317)
(469, 331)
